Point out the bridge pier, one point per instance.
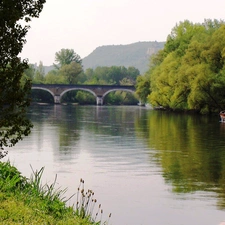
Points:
(99, 100)
(57, 99)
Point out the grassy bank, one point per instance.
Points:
(27, 201)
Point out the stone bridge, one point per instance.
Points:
(99, 91)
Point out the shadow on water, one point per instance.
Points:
(190, 150)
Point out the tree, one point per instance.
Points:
(143, 88)
(28, 73)
(54, 77)
(14, 95)
(39, 74)
(71, 71)
(133, 73)
(188, 74)
(65, 57)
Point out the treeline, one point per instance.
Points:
(114, 75)
(189, 73)
(69, 70)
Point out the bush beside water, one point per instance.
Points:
(27, 201)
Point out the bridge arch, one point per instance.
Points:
(77, 89)
(116, 89)
(44, 89)
(101, 99)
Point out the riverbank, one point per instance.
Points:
(27, 201)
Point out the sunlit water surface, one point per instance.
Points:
(145, 166)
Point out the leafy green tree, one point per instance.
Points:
(113, 98)
(71, 72)
(114, 75)
(89, 73)
(100, 76)
(14, 95)
(39, 75)
(126, 81)
(132, 74)
(143, 82)
(143, 88)
(54, 77)
(207, 89)
(65, 57)
(188, 74)
(81, 78)
(30, 72)
(84, 97)
(69, 64)
(180, 37)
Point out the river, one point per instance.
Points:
(145, 166)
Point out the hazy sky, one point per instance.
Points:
(84, 25)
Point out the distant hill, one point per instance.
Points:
(136, 54)
(48, 68)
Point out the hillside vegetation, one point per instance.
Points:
(136, 55)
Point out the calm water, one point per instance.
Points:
(146, 167)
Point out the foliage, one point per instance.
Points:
(79, 97)
(39, 74)
(188, 74)
(143, 88)
(54, 77)
(69, 65)
(114, 75)
(29, 73)
(27, 201)
(14, 24)
(120, 98)
(66, 56)
(71, 71)
(10, 177)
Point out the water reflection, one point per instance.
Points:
(190, 149)
(132, 157)
(102, 131)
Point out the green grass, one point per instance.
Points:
(27, 201)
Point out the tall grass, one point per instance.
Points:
(87, 206)
(53, 199)
(11, 178)
(47, 199)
